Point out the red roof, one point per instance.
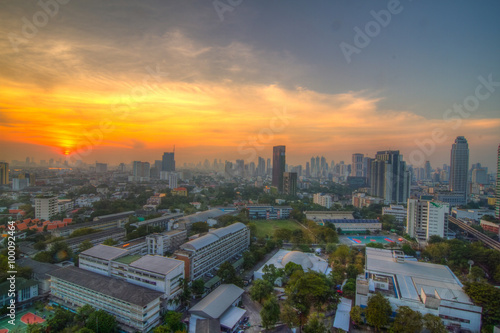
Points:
(68, 220)
(21, 226)
(180, 189)
(17, 211)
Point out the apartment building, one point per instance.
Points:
(427, 218)
(135, 308)
(204, 254)
(45, 207)
(398, 211)
(323, 199)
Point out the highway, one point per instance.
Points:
(480, 236)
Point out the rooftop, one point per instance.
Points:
(104, 252)
(156, 264)
(218, 301)
(108, 286)
(213, 236)
(128, 259)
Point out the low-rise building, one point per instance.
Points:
(317, 216)
(116, 234)
(135, 308)
(490, 226)
(471, 214)
(398, 211)
(355, 226)
(268, 212)
(168, 241)
(424, 287)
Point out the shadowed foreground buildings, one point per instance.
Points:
(424, 287)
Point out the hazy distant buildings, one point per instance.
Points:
(497, 206)
(459, 167)
(4, 173)
(323, 199)
(172, 180)
(141, 171)
(168, 162)
(101, 167)
(278, 167)
(290, 183)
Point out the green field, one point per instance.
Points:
(267, 227)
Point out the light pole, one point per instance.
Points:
(471, 262)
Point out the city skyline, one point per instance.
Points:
(123, 80)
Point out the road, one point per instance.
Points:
(253, 311)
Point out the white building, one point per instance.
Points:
(308, 261)
(427, 218)
(322, 199)
(172, 180)
(333, 214)
(135, 308)
(424, 287)
(398, 211)
(45, 207)
(471, 214)
(206, 253)
(165, 242)
(153, 272)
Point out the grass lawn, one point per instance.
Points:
(267, 227)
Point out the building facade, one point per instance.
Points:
(204, 254)
(169, 241)
(4, 173)
(398, 211)
(278, 167)
(45, 207)
(290, 183)
(427, 218)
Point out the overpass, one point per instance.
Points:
(479, 235)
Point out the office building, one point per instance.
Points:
(459, 168)
(45, 207)
(168, 162)
(427, 218)
(497, 203)
(389, 178)
(101, 167)
(290, 183)
(204, 254)
(357, 165)
(480, 176)
(172, 180)
(278, 167)
(424, 287)
(135, 308)
(4, 173)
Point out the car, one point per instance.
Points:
(245, 320)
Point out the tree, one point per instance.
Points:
(378, 311)
(173, 320)
(198, 287)
(85, 245)
(407, 320)
(102, 320)
(40, 246)
(162, 329)
(342, 253)
(61, 319)
(476, 273)
(110, 242)
(289, 316)
(315, 324)
(199, 227)
(83, 313)
(356, 314)
(227, 273)
(270, 313)
(260, 290)
(434, 324)
(271, 273)
(488, 297)
(408, 250)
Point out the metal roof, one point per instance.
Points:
(108, 286)
(213, 236)
(156, 264)
(217, 302)
(104, 252)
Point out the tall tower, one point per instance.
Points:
(389, 177)
(357, 165)
(168, 162)
(459, 167)
(4, 173)
(278, 166)
(497, 206)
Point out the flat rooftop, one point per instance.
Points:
(128, 259)
(104, 252)
(156, 264)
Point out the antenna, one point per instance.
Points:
(174, 149)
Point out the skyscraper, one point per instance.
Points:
(261, 167)
(497, 206)
(4, 173)
(357, 165)
(459, 167)
(168, 162)
(389, 178)
(427, 218)
(278, 166)
(290, 183)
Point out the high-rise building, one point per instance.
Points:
(480, 176)
(168, 162)
(290, 183)
(4, 173)
(497, 206)
(269, 167)
(308, 171)
(172, 180)
(261, 167)
(428, 170)
(45, 207)
(459, 167)
(357, 165)
(389, 178)
(141, 171)
(427, 218)
(278, 167)
(101, 167)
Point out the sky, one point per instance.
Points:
(121, 80)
